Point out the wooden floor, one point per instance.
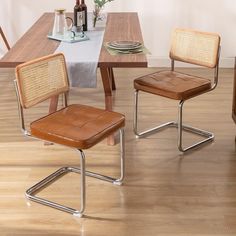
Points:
(165, 193)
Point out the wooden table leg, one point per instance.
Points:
(111, 75)
(107, 85)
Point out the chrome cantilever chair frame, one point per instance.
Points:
(179, 124)
(31, 192)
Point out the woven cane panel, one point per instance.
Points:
(42, 79)
(195, 47)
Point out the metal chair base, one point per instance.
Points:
(51, 178)
(48, 180)
(30, 193)
(208, 136)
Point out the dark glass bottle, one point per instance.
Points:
(85, 15)
(78, 16)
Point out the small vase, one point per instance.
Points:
(98, 14)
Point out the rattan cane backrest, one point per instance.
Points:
(195, 47)
(41, 79)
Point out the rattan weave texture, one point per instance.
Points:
(41, 79)
(199, 48)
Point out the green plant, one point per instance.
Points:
(101, 3)
(98, 6)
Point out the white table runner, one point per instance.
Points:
(82, 59)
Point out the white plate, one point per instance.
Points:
(124, 45)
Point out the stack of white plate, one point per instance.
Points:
(124, 45)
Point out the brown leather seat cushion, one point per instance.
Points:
(77, 126)
(172, 84)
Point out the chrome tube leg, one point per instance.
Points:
(82, 185)
(30, 193)
(135, 121)
(135, 124)
(180, 125)
(116, 181)
(122, 158)
(122, 154)
(208, 136)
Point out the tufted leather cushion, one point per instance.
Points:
(77, 126)
(172, 84)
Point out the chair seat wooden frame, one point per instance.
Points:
(181, 45)
(24, 102)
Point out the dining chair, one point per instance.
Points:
(76, 126)
(4, 39)
(192, 47)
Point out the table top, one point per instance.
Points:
(122, 26)
(34, 43)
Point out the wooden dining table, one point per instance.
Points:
(119, 26)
